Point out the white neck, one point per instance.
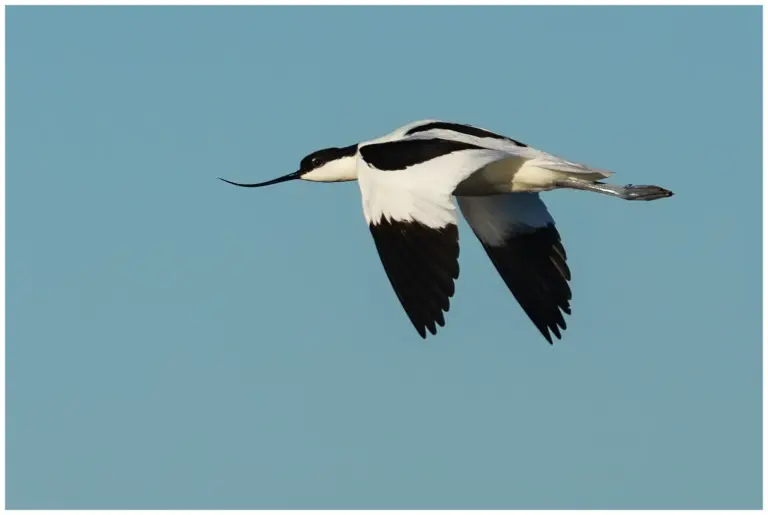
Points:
(338, 170)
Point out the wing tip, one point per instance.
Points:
(534, 268)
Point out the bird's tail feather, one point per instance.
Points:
(575, 170)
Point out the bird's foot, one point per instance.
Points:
(633, 192)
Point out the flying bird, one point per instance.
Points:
(408, 179)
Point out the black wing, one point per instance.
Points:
(422, 264)
(520, 238)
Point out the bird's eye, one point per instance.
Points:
(316, 161)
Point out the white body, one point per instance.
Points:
(424, 191)
(497, 188)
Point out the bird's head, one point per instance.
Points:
(327, 165)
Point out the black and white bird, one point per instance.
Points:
(408, 180)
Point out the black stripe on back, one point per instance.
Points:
(399, 155)
(463, 129)
(533, 266)
(422, 264)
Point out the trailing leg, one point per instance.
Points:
(628, 192)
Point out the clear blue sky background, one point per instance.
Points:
(175, 342)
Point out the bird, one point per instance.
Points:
(413, 179)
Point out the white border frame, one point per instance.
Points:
(350, 2)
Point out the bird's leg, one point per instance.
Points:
(628, 192)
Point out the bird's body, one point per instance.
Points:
(408, 180)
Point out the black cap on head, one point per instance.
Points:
(320, 157)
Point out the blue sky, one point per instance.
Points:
(175, 342)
